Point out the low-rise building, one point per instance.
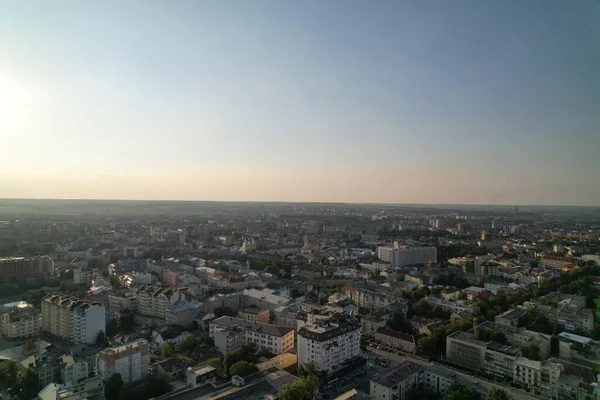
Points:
(567, 310)
(396, 383)
(274, 338)
(263, 300)
(19, 320)
(254, 314)
(201, 376)
(89, 389)
(282, 361)
(397, 340)
(370, 323)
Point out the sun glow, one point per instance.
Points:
(12, 98)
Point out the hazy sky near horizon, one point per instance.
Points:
(479, 101)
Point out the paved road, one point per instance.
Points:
(399, 358)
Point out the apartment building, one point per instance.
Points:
(14, 269)
(287, 316)
(521, 337)
(330, 343)
(19, 320)
(490, 357)
(399, 256)
(229, 338)
(464, 350)
(181, 313)
(274, 338)
(89, 389)
(73, 319)
(439, 380)
(397, 340)
(81, 276)
(229, 300)
(254, 314)
(543, 376)
(397, 382)
(120, 303)
(370, 323)
(154, 301)
(73, 370)
(131, 360)
(452, 306)
(373, 298)
(567, 310)
(263, 300)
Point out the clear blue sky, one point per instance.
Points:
(479, 101)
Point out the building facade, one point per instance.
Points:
(401, 257)
(227, 331)
(397, 340)
(72, 319)
(397, 382)
(16, 269)
(19, 320)
(329, 343)
(131, 360)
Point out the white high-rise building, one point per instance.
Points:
(400, 257)
(73, 319)
(328, 344)
(130, 360)
(87, 321)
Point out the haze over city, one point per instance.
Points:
(463, 102)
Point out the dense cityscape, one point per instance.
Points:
(289, 301)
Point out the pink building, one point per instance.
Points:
(170, 277)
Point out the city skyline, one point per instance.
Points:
(418, 102)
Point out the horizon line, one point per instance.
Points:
(297, 202)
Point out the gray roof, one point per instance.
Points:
(398, 374)
(259, 327)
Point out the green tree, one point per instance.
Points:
(9, 370)
(217, 364)
(154, 386)
(167, 350)
(101, 339)
(124, 393)
(28, 384)
(421, 394)
(532, 352)
(272, 270)
(297, 390)
(496, 393)
(231, 357)
(113, 386)
(306, 370)
(242, 368)
(460, 392)
(126, 321)
(188, 343)
(112, 327)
